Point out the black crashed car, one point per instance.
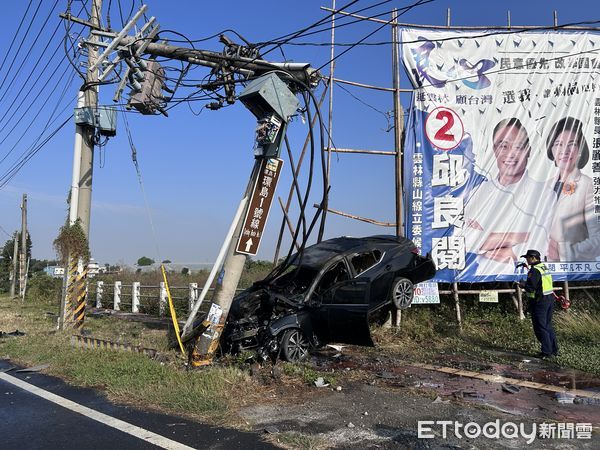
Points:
(328, 293)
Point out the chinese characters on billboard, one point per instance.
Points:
(502, 151)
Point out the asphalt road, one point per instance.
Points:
(30, 421)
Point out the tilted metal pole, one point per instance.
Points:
(227, 283)
(188, 327)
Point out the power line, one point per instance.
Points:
(302, 32)
(20, 45)
(351, 21)
(565, 26)
(384, 114)
(31, 121)
(15, 35)
(16, 168)
(29, 54)
(404, 11)
(5, 232)
(141, 183)
(31, 73)
(31, 104)
(28, 154)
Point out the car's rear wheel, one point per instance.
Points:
(294, 345)
(402, 293)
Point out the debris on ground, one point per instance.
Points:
(564, 397)
(320, 382)
(510, 388)
(428, 385)
(586, 401)
(468, 394)
(276, 372)
(271, 430)
(336, 347)
(15, 333)
(34, 368)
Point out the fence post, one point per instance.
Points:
(117, 296)
(99, 292)
(135, 296)
(193, 296)
(520, 302)
(566, 290)
(457, 305)
(162, 299)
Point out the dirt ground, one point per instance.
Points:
(377, 400)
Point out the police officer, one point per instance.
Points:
(541, 302)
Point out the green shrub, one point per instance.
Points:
(42, 288)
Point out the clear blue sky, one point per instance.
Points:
(195, 168)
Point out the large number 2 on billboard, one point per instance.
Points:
(443, 128)
(442, 133)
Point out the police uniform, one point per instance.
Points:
(541, 304)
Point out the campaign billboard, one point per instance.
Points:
(502, 151)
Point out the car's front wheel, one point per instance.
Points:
(402, 293)
(294, 345)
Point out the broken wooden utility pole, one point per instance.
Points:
(74, 294)
(23, 252)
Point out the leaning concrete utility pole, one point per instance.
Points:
(13, 279)
(273, 104)
(74, 293)
(23, 252)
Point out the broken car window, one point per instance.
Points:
(337, 273)
(296, 280)
(364, 261)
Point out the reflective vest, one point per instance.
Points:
(546, 281)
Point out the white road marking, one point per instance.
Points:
(120, 425)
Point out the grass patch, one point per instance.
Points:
(579, 340)
(304, 372)
(430, 334)
(130, 378)
(299, 441)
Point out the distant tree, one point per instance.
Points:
(38, 265)
(145, 261)
(185, 271)
(167, 261)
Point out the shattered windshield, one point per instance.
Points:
(295, 280)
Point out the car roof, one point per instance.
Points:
(318, 254)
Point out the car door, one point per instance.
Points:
(348, 311)
(344, 305)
